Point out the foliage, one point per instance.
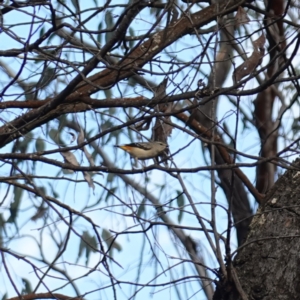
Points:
(216, 80)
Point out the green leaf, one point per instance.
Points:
(14, 206)
(2, 222)
(40, 145)
(109, 24)
(180, 204)
(106, 125)
(55, 194)
(131, 32)
(42, 31)
(2, 228)
(110, 177)
(132, 82)
(54, 135)
(4, 296)
(23, 143)
(110, 193)
(42, 190)
(76, 5)
(108, 94)
(47, 76)
(296, 125)
(141, 208)
(109, 240)
(99, 36)
(155, 11)
(27, 286)
(106, 236)
(52, 36)
(40, 213)
(30, 88)
(88, 244)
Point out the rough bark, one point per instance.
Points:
(267, 265)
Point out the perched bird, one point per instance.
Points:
(144, 151)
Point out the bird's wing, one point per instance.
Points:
(144, 146)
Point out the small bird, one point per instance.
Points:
(144, 151)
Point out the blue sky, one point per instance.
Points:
(135, 262)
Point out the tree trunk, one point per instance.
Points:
(268, 263)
